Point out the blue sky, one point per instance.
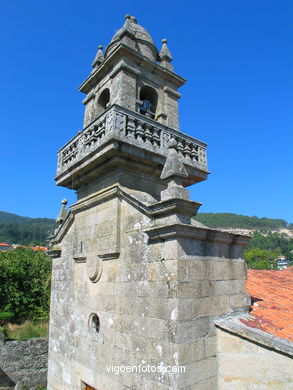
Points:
(235, 55)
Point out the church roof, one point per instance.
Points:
(272, 301)
(144, 43)
(139, 32)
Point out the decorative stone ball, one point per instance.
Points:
(172, 143)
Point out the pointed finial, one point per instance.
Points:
(165, 52)
(63, 213)
(133, 19)
(174, 173)
(174, 167)
(127, 26)
(165, 55)
(99, 58)
(127, 21)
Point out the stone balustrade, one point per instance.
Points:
(135, 129)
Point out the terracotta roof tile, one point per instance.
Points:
(272, 301)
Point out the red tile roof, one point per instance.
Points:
(34, 248)
(272, 301)
(40, 248)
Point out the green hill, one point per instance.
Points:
(24, 230)
(14, 218)
(227, 220)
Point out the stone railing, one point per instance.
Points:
(131, 128)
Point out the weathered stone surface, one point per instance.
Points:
(24, 363)
(249, 358)
(243, 364)
(173, 167)
(137, 281)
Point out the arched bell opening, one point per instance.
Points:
(149, 98)
(103, 101)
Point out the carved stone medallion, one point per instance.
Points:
(94, 267)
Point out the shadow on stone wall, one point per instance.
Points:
(5, 380)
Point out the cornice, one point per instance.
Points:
(123, 51)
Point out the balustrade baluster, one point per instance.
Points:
(139, 131)
(130, 128)
(180, 148)
(134, 128)
(187, 151)
(148, 134)
(156, 136)
(194, 152)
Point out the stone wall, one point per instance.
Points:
(24, 361)
(246, 364)
(156, 301)
(136, 282)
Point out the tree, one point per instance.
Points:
(273, 241)
(257, 258)
(25, 283)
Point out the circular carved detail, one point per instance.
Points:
(94, 267)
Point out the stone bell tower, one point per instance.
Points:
(136, 283)
(128, 75)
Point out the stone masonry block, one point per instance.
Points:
(240, 300)
(226, 342)
(105, 228)
(191, 352)
(238, 269)
(207, 384)
(124, 305)
(229, 287)
(164, 308)
(190, 247)
(198, 372)
(162, 270)
(126, 289)
(134, 222)
(192, 330)
(106, 288)
(132, 250)
(141, 307)
(137, 272)
(210, 346)
(107, 304)
(185, 309)
(212, 306)
(171, 250)
(197, 270)
(152, 290)
(219, 270)
(196, 289)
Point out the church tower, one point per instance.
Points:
(134, 282)
(131, 114)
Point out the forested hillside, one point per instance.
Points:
(266, 243)
(227, 220)
(24, 230)
(35, 231)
